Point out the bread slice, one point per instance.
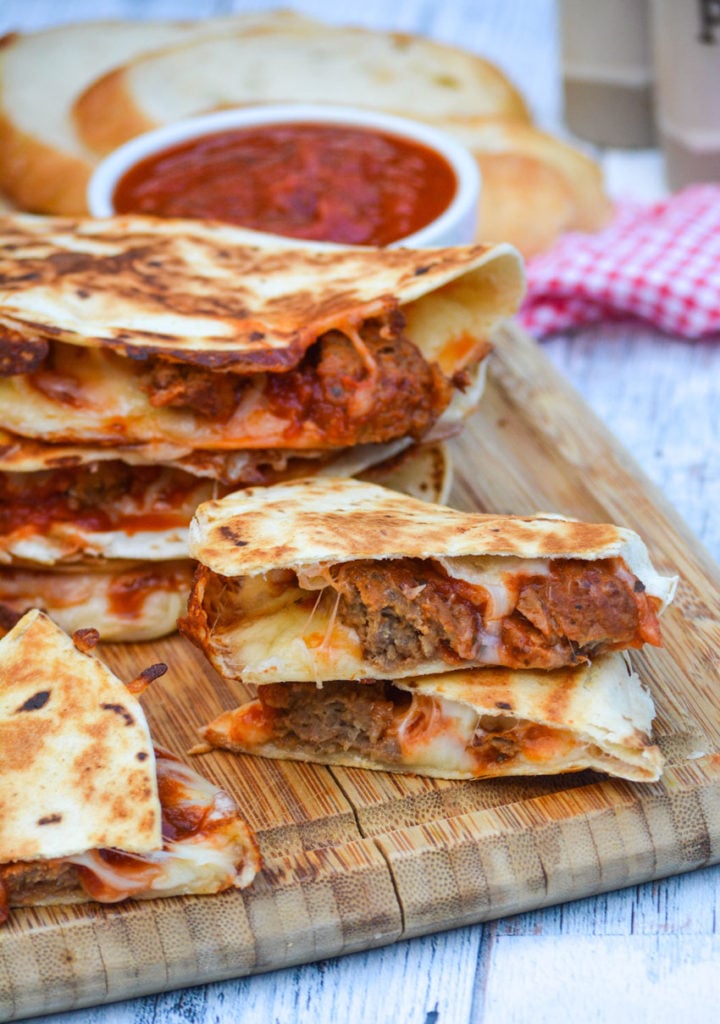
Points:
(44, 166)
(69, 94)
(401, 74)
(535, 185)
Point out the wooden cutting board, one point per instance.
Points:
(355, 859)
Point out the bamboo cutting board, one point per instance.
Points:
(355, 859)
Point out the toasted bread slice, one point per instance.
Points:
(44, 167)
(535, 186)
(293, 62)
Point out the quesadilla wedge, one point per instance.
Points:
(137, 330)
(480, 723)
(86, 535)
(102, 510)
(130, 601)
(75, 504)
(90, 811)
(332, 579)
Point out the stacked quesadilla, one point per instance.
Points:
(90, 809)
(390, 633)
(147, 365)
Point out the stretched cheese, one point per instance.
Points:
(483, 723)
(341, 579)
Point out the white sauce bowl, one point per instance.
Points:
(456, 225)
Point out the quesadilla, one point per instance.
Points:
(130, 601)
(136, 330)
(325, 579)
(480, 723)
(90, 811)
(100, 510)
(68, 504)
(91, 534)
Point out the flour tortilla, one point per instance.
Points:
(77, 758)
(259, 624)
(129, 289)
(332, 520)
(595, 716)
(80, 776)
(203, 293)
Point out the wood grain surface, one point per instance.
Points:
(356, 859)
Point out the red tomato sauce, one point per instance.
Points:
(331, 183)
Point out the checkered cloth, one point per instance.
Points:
(659, 264)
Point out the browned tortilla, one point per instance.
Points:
(483, 723)
(205, 294)
(325, 579)
(73, 737)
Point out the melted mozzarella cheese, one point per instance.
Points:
(436, 733)
(96, 396)
(221, 854)
(157, 594)
(496, 575)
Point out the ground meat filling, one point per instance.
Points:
(382, 723)
(333, 386)
(28, 882)
(213, 395)
(93, 495)
(409, 610)
(339, 718)
(584, 608)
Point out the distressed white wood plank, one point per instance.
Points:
(640, 978)
(434, 976)
(661, 398)
(683, 905)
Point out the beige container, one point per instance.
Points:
(607, 71)
(686, 44)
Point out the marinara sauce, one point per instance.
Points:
(330, 183)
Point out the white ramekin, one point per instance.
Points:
(457, 224)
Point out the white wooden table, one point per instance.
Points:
(646, 954)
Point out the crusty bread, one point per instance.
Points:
(535, 186)
(44, 167)
(70, 93)
(401, 74)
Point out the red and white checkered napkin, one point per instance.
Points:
(659, 264)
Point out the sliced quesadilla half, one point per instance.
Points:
(90, 810)
(130, 601)
(332, 579)
(87, 536)
(474, 724)
(74, 504)
(135, 330)
(99, 510)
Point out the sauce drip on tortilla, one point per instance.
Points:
(331, 183)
